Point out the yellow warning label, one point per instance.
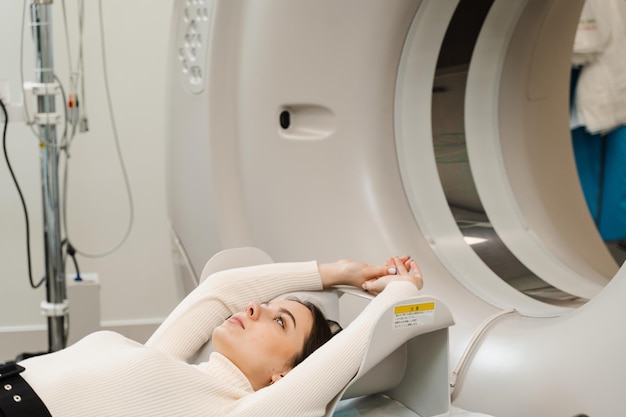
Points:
(410, 315)
(412, 308)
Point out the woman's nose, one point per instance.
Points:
(253, 311)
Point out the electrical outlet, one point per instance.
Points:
(84, 305)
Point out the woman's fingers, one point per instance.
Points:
(416, 273)
(398, 268)
(400, 264)
(376, 286)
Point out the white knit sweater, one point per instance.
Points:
(108, 375)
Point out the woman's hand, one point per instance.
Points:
(399, 269)
(372, 278)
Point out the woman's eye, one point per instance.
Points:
(280, 321)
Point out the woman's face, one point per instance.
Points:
(263, 340)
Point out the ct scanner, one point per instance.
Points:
(361, 129)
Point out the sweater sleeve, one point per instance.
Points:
(191, 323)
(309, 387)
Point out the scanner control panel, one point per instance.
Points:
(193, 33)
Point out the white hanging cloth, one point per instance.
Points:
(600, 47)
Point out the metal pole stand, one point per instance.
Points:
(55, 308)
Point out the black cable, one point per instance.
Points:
(19, 191)
(71, 251)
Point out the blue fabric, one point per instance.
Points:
(612, 222)
(601, 164)
(588, 155)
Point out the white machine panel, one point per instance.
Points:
(307, 131)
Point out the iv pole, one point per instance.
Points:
(55, 308)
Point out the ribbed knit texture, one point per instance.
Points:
(108, 375)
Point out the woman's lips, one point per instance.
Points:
(237, 321)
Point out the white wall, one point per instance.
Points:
(137, 281)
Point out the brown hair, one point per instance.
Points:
(321, 332)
